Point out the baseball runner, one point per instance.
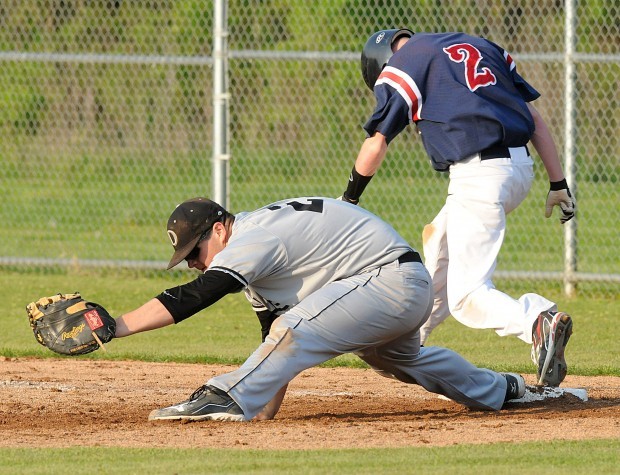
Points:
(473, 112)
(325, 278)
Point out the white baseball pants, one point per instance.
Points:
(462, 243)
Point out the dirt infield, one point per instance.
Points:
(74, 402)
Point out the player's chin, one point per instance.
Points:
(192, 264)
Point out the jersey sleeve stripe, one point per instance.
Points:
(509, 60)
(406, 87)
(232, 273)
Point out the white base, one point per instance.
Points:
(540, 393)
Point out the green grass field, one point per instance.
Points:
(229, 331)
(129, 223)
(566, 458)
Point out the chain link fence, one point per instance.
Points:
(107, 117)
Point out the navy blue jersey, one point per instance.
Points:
(463, 93)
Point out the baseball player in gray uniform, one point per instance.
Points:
(325, 278)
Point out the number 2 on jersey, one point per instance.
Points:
(470, 56)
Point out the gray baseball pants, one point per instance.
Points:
(375, 315)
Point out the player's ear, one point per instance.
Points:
(219, 229)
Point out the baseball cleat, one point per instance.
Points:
(516, 386)
(206, 403)
(550, 335)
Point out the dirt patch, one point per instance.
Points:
(73, 402)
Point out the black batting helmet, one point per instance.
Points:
(377, 51)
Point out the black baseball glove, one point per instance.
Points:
(67, 324)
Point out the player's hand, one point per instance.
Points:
(348, 200)
(559, 195)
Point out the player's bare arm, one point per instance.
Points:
(559, 192)
(368, 161)
(150, 316)
(371, 154)
(545, 146)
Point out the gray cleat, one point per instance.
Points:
(206, 403)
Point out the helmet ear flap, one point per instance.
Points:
(377, 52)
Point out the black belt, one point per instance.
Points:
(497, 152)
(410, 256)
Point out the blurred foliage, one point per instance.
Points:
(80, 102)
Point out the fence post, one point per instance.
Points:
(570, 228)
(221, 98)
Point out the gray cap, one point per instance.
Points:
(188, 222)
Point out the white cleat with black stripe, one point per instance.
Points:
(550, 335)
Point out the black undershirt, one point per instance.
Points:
(188, 299)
